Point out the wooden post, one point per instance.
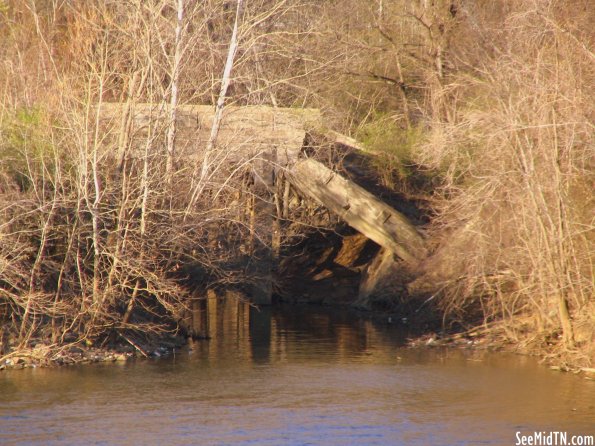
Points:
(264, 210)
(252, 222)
(376, 275)
(286, 191)
(212, 311)
(200, 320)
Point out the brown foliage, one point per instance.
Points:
(517, 163)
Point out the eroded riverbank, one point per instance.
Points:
(211, 322)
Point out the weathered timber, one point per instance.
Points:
(344, 140)
(360, 209)
(264, 181)
(380, 269)
(245, 132)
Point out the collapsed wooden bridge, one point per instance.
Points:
(273, 141)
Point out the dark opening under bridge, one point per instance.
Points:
(273, 140)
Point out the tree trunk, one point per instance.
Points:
(173, 100)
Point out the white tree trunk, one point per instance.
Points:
(231, 53)
(173, 100)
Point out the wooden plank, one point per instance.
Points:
(360, 209)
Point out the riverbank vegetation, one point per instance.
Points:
(480, 111)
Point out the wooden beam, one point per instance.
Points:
(245, 131)
(339, 138)
(360, 209)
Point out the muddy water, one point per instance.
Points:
(296, 375)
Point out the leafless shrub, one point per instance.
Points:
(517, 165)
(103, 233)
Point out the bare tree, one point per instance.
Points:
(175, 79)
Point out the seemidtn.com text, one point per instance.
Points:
(553, 438)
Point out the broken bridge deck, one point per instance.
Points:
(273, 139)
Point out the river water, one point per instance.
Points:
(296, 376)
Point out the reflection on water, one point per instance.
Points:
(295, 375)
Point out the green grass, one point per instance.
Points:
(393, 144)
(25, 144)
